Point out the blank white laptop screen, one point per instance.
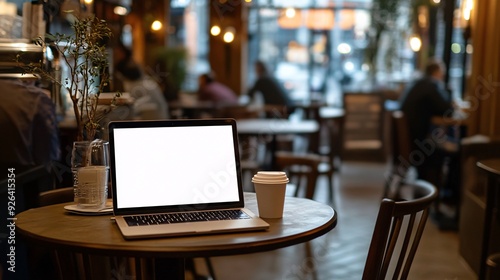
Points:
(164, 166)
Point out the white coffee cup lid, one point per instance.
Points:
(270, 177)
(270, 173)
(270, 182)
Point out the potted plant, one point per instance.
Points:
(85, 55)
(172, 60)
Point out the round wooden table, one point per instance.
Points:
(53, 227)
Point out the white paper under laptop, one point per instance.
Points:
(176, 166)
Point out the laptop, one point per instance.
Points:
(168, 170)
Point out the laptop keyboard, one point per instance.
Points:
(158, 219)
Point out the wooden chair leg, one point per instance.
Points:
(190, 266)
(331, 188)
(210, 268)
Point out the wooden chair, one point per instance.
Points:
(331, 122)
(56, 196)
(398, 230)
(302, 169)
(400, 150)
(29, 181)
(404, 155)
(327, 168)
(334, 124)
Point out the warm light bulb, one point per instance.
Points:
(467, 9)
(121, 11)
(290, 12)
(88, 1)
(228, 36)
(156, 25)
(415, 43)
(469, 49)
(215, 30)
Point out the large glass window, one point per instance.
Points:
(310, 45)
(319, 47)
(189, 26)
(461, 49)
(316, 47)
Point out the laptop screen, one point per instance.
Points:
(174, 165)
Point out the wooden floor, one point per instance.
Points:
(341, 253)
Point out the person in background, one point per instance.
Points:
(425, 98)
(211, 90)
(30, 139)
(28, 124)
(272, 91)
(149, 101)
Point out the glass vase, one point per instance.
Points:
(90, 168)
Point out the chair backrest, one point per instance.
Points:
(400, 150)
(397, 232)
(56, 196)
(400, 137)
(29, 182)
(25, 182)
(299, 167)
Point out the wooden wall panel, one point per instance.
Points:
(484, 82)
(228, 60)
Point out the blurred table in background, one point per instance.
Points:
(273, 128)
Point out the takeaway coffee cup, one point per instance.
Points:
(270, 189)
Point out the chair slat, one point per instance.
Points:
(398, 230)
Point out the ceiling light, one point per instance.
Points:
(229, 35)
(215, 30)
(120, 10)
(156, 25)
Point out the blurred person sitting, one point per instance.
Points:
(29, 125)
(30, 139)
(272, 91)
(211, 90)
(149, 100)
(425, 98)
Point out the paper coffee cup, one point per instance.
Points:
(270, 188)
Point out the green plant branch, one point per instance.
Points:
(86, 58)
